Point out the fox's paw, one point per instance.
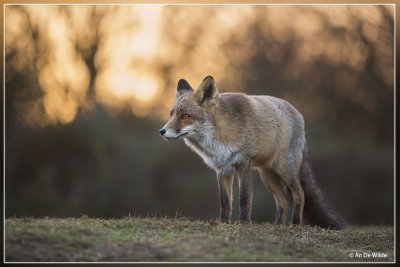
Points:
(296, 224)
(224, 220)
(244, 218)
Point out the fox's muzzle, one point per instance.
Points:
(162, 131)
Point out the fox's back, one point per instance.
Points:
(261, 124)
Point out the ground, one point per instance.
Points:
(180, 239)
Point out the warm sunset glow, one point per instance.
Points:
(145, 89)
(140, 51)
(121, 83)
(126, 84)
(144, 41)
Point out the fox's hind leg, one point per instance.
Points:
(273, 182)
(289, 173)
(225, 194)
(298, 203)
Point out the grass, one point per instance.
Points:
(179, 239)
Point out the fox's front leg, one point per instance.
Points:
(245, 191)
(225, 195)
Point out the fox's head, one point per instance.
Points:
(192, 109)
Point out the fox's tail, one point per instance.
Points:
(317, 211)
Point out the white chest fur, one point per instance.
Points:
(218, 156)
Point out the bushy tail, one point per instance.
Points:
(317, 211)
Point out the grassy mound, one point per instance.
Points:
(183, 239)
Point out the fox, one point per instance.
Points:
(236, 132)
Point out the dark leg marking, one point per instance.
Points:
(225, 211)
(225, 195)
(245, 192)
(279, 212)
(245, 204)
(296, 214)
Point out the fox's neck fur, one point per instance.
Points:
(218, 155)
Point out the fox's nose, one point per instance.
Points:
(162, 131)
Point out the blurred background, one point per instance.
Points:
(87, 87)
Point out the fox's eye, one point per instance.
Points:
(185, 116)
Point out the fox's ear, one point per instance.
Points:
(206, 93)
(183, 87)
